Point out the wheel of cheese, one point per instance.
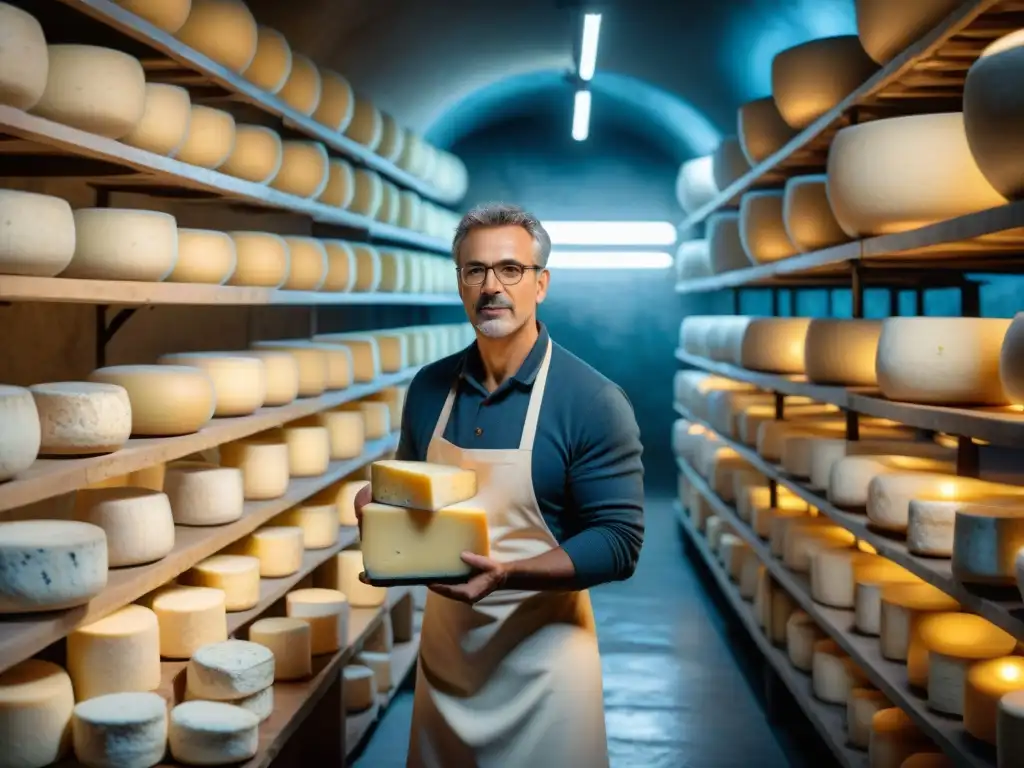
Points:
(239, 382)
(803, 543)
(81, 418)
(305, 169)
(728, 162)
(263, 260)
(749, 577)
(799, 449)
(724, 244)
(229, 670)
(811, 78)
(122, 244)
(924, 173)
(128, 729)
(1011, 367)
(36, 702)
(309, 448)
(341, 266)
(281, 372)
(271, 63)
(337, 102)
(369, 193)
(346, 431)
(342, 573)
(392, 138)
(762, 228)
(376, 417)
(204, 256)
(318, 522)
(339, 371)
(774, 344)
(394, 351)
(902, 608)
(308, 268)
(861, 706)
(20, 431)
(189, 618)
(894, 738)
(714, 526)
(842, 351)
(204, 494)
(802, 633)
(289, 639)
(303, 87)
(341, 184)
(168, 15)
(868, 587)
(732, 551)
(279, 549)
(930, 527)
(834, 572)
(367, 124)
(211, 138)
(763, 600)
(327, 613)
(360, 688)
(1010, 713)
(381, 639)
(94, 89)
(388, 210)
(851, 476)
(987, 682)
(695, 183)
(886, 29)
(137, 521)
(693, 260)
(256, 155)
(164, 125)
(24, 61)
(311, 361)
(212, 733)
(368, 268)
(117, 654)
(237, 576)
(342, 494)
(833, 673)
(224, 30)
(409, 209)
(889, 495)
(413, 149)
(808, 219)
(264, 466)
(762, 131)
(782, 607)
(987, 536)
(39, 232)
(393, 268)
(380, 663)
(166, 399)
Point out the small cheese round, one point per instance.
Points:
(305, 169)
(168, 15)
(834, 572)
(987, 536)
(850, 477)
(867, 598)
(310, 360)
(930, 526)
(369, 193)
(894, 738)
(987, 682)
(229, 670)
(210, 139)
(340, 184)
(749, 577)
(861, 707)
(237, 576)
(842, 351)
(224, 30)
(801, 635)
(47, 565)
(368, 271)
(338, 359)
(272, 62)
(903, 606)
(781, 607)
(341, 266)
(319, 523)
(120, 729)
(1009, 740)
(36, 702)
(279, 549)
(308, 268)
(95, 89)
(342, 495)
(204, 256)
(82, 418)
(290, 640)
(360, 688)
(239, 382)
(165, 120)
(326, 611)
(204, 494)
(262, 260)
(137, 522)
(337, 101)
(24, 61)
(392, 138)
(256, 155)
(309, 449)
(121, 244)
(281, 372)
(117, 654)
(303, 88)
(376, 417)
(189, 617)
(833, 673)
(39, 230)
(264, 466)
(380, 663)
(366, 126)
(212, 733)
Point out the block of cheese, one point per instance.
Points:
(281, 375)
(305, 169)
(229, 670)
(204, 256)
(903, 607)
(341, 263)
(189, 617)
(23, 58)
(801, 635)
(942, 360)
(861, 706)
(36, 703)
(39, 230)
(302, 89)
(163, 127)
(272, 62)
(237, 576)
(239, 382)
(117, 654)
(20, 433)
(889, 495)
(256, 155)
(955, 642)
(894, 738)
(47, 565)
(212, 733)
(123, 729)
(833, 673)
(851, 476)
(290, 640)
(342, 573)
(279, 549)
(360, 688)
(210, 139)
(263, 464)
(122, 244)
(308, 267)
(842, 351)
(380, 663)
(834, 571)
(1009, 744)
(204, 494)
(309, 448)
(79, 418)
(95, 89)
(224, 30)
(365, 352)
(310, 361)
(376, 417)
(318, 522)
(137, 522)
(337, 360)
(262, 260)
(367, 260)
(420, 484)
(987, 682)
(327, 613)
(165, 399)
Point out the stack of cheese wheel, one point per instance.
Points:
(988, 682)
(762, 227)
(236, 672)
(885, 28)
(808, 218)
(762, 131)
(695, 184)
(729, 164)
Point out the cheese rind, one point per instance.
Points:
(421, 485)
(123, 244)
(137, 522)
(239, 382)
(237, 576)
(36, 702)
(204, 256)
(278, 548)
(263, 464)
(79, 418)
(318, 522)
(230, 670)
(308, 266)
(39, 230)
(120, 729)
(282, 375)
(189, 617)
(204, 494)
(212, 733)
(166, 400)
(327, 613)
(117, 654)
(290, 640)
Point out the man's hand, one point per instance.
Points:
(364, 497)
(492, 575)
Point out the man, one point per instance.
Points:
(509, 674)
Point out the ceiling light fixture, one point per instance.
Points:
(581, 116)
(588, 49)
(610, 260)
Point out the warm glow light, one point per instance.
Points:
(588, 49)
(611, 233)
(947, 490)
(581, 116)
(1010, 671)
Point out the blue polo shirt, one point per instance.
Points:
(587, 469)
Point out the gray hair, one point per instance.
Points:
(504, 215)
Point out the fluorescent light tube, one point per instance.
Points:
(581, 116)
(612, 233)
(610, 260)
(588, 50)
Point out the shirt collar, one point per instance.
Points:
(474, 368)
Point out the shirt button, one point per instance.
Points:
(478, 431)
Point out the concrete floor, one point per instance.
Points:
(682, 682)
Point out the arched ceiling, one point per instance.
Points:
(675, 70)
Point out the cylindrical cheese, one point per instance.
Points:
(861, 707)
(903, 607)
(309, 449)
(1009, 739)
(211, 138)
(810, 223)
(81, 418)
(120, 729)
(368, 268)
(224, 30)
(237, 576)
(889, 495)
(801, 635)
(762, 229)
(342, 494)
(986, 539)
(305, 169)
(256, 155)
(204, 256)
(263, 260)
(774, 344)
(341, 266)
(39, 230)
(302, 89)
(117, 654)
(868, 588)
(137, 522)
(290, 640)
(346, 431)
(239, 382)
(326, 611)
(842, 351)
(24, 61)
(380, 663)
(833, 673)
(360, 688)
(229, 670)
(20, 433)
(987, 682)
(804, 542)
(342, 573)
(338, 360)
(319, 524)
(308, 268)
(1011, 354)
(366, 126)
(121, 244)
(278, 548)
(263, 463)
(281, 371)
(36, 702)
(337, 102)
(163, 127)
(212, 733)
(272, 62)
(189, 618)
(311, 362)
(340, 184)
(204, 494)
(894, 738)
(834, 573)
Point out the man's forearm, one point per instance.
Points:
(554, 570)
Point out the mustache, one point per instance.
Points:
(493, 302)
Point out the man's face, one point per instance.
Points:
(500, 305)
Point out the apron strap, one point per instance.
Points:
(536, 399)
(449, 401)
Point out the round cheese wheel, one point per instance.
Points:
(695, 184)
(229, 670)
(1009, 745)
(137, 521)
(762, 131)
(237, 576)
(308, 268)
(311, 362)
(337, 102)
(39, 232)
(204, 256)
(119, 653)
(81, 418)
(24, 61)
(341, 266)
(392, 139)
(309, 449)
(360, 688)
(166, 399)
(189, 618)
(239, 382)
(987, 682)
(802, 633)
(930, 526)
(987, 536)
(341, 184)
(391, 207)
(36, 702)
(894, 738)
(256, 154)
(264, 466)
(1011, 367)
(224, 30)
(868, 588)
(762, 228)
(368, 268)
(305, 169)
(263, 260)
(121, 244)
(342, 573)
(729, 164)
(20, 431)
(749, 577)
(342, 495)
(842, 351)
(368, 196)
(47, 565)
(338, 360)
(210, 139)
(366, 126)
(278, 548)
(903, 606)
(272, 62)
(833, 575)
(833, 673)
(120, 729)
(290, 640)
(168, 15)
(303, 87)
(212, 733)
(724, 244)
(165, 120)
(204, 494)
(346, 431)
(693, 260)
(885, 28)
(319, 524)
(774, 344)
(326, 611)
(281, 373)
(808, 218)
(850, 477)
(861, 707)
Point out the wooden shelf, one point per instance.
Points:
(47, 478)
(1000, 426)
(889, 677)
(138, 29)
(71, 291)
(23, 635)
(828, 719)
(151, 170)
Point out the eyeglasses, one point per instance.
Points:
(508, 273)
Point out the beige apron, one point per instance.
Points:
(515, 680)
